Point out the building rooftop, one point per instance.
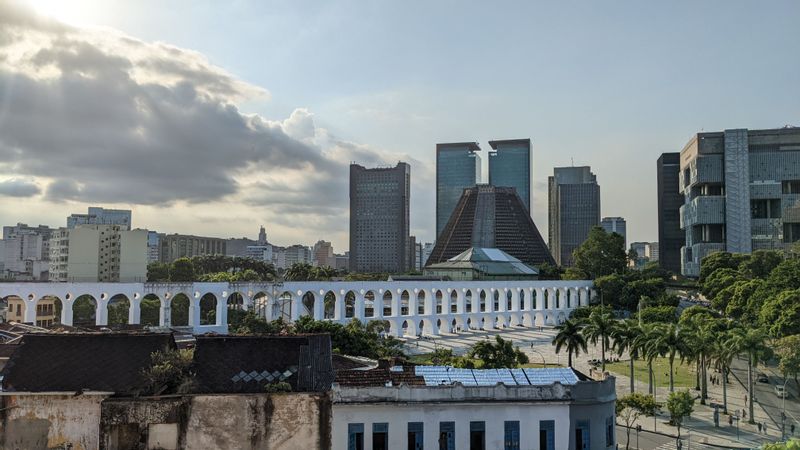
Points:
(238, 364)
(74, 362)
(489, 261)
(411, 375)
(472, 146)
(495, 143)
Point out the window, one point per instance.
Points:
(355, 436)
(511, 441)
(765, 208)
(609, 431)
(415, 435)
(790, 187)
(791, 232)
(477, 436)
(380, 436)
(582, 435)
(547, 430)
(447, 436)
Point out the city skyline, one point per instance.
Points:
(299, 128)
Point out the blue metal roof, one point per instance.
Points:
(445, 375)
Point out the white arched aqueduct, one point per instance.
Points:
(410, 308)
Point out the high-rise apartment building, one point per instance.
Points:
(174, 246)
(458, 167)
(670, 236)
(297, 253)
(153, 247)
(379, 218)
(26, 252)
(615, 225)
(574, 208)
(491, 217)
(323, 254)
(98, 253)
(102, 216)
(740, 191)
(510, 166)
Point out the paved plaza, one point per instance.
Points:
(698, 429)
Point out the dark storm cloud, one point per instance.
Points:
(109, 118)
(18, 188)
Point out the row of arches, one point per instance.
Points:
(207, 310)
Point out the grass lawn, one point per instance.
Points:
(684, 373)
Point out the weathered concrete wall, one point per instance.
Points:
(50, 421)
(246, 421)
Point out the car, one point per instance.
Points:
(780, 391)
(762, 378)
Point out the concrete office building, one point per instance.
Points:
(379, 218)
(458, 166)
(491, 217)
(98, 253)
(741, 193)
(297, 253)
(26, 252)
(574, 208)
(615, 225)
(670, 236)
(174, 246)
(102, 216)
(510, 166)
(153, 248)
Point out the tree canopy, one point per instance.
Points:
(601, 254)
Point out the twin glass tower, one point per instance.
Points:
(458, 167)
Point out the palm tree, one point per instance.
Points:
(642, 345)
(599, 327)
(570, 337)
(670, 341)
(625, 336)
(722, 356)
(752, 342)
(700, 338)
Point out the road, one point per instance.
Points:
(766, 397)
(647, 440)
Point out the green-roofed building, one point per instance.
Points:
(477, 263)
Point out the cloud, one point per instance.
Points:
(18, 188)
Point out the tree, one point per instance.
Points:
(719, 260)
(752, 342)
(300, 272)
(601, 254)
(548, 271)
(760, 264)
(649, 332)
(599, 327)
(780, 314)
(625, 335)
(722, 355)
(788, 349)
(182, 270)
(700, 335)
(669, 341)
(716, 282)
(157, 272)
(742, 300)
(569, 336)
(633, 406)
(498, 355)
(659, 314)
(170, 372)
(680, 405)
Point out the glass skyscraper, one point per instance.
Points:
(458, 166)
(510, 166)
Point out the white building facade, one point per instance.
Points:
(98, 253)
(494, 412)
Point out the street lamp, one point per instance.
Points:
(544, 364)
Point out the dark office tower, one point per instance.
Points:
(510, 166)
(379, 204)
(458, 166)
(574, 208)
(491, 217)
(670, 236)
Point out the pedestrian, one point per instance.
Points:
(730, 420)
(792, 428)
(759, 427)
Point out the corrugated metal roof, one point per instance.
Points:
(445, 375)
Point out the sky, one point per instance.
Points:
(214, 118)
